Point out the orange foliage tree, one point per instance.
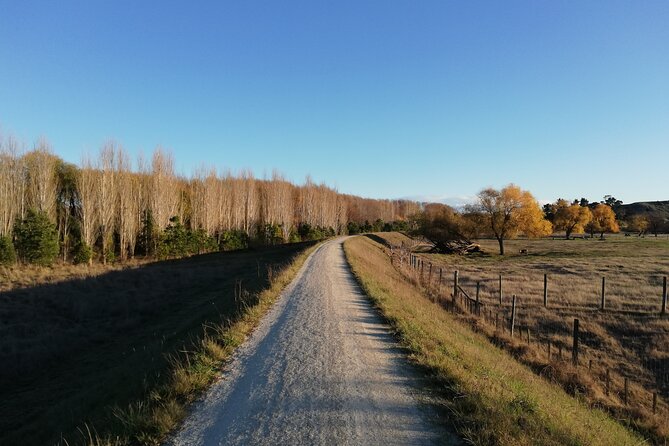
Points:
(603, 220)
(571, 218)
(511, 211)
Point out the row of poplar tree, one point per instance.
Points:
(111, 208)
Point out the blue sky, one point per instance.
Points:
(379, 98)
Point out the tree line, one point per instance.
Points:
(582, 216)
(110, 208)
(508, 212)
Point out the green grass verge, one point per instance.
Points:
(494, 400)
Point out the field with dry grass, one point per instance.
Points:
(26, 276)
(93, 350)
(625, 335)
(633, 268)
(492, 398)
(628, 339)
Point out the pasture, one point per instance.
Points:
(490, 398)
(628, 333)
(628, 339)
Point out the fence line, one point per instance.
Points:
(461, 301)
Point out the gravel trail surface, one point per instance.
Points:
(320, 369)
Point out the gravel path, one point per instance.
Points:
(321, 369)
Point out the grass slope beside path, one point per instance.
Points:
(494, 399)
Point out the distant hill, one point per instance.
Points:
(660, 208)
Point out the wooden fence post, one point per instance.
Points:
(500, 289)
(513, 313)
(429, 276)
(545, 290)
(608, 381)
(603, 293)
(528, 335)
(574, 351)
(626, 394)
(455, 287)
(664, 295)
(478, 290)
(441, 272)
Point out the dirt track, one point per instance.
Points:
(320, 369)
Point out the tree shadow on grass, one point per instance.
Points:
(69, 350)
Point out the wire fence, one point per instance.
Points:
(506, 318)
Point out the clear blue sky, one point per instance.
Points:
(380, 98)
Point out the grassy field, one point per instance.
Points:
(629, 339)
(493, 399)
(633, 268)
(27, 276)
(103, 350)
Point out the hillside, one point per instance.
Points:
(645, 208)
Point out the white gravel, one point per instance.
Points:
(321, 369)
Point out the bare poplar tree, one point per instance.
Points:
(143, 197)
(307, 203)
(285, 204)
(87, 191)
(204, 201)
(41, 184)
(107, 193)
(341, 214)
(211, 221)
(225, 204)
(12, 184)
(249, 202)
(133, 223)
(127, 203)
(276, 203)
(163, 195)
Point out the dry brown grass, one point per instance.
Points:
(633, 267)
(629, 338)
(494, 399)
(26, 276)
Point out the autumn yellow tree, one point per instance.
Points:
(638, 223)
(571, 217)
(603, 220)
(511, 211)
